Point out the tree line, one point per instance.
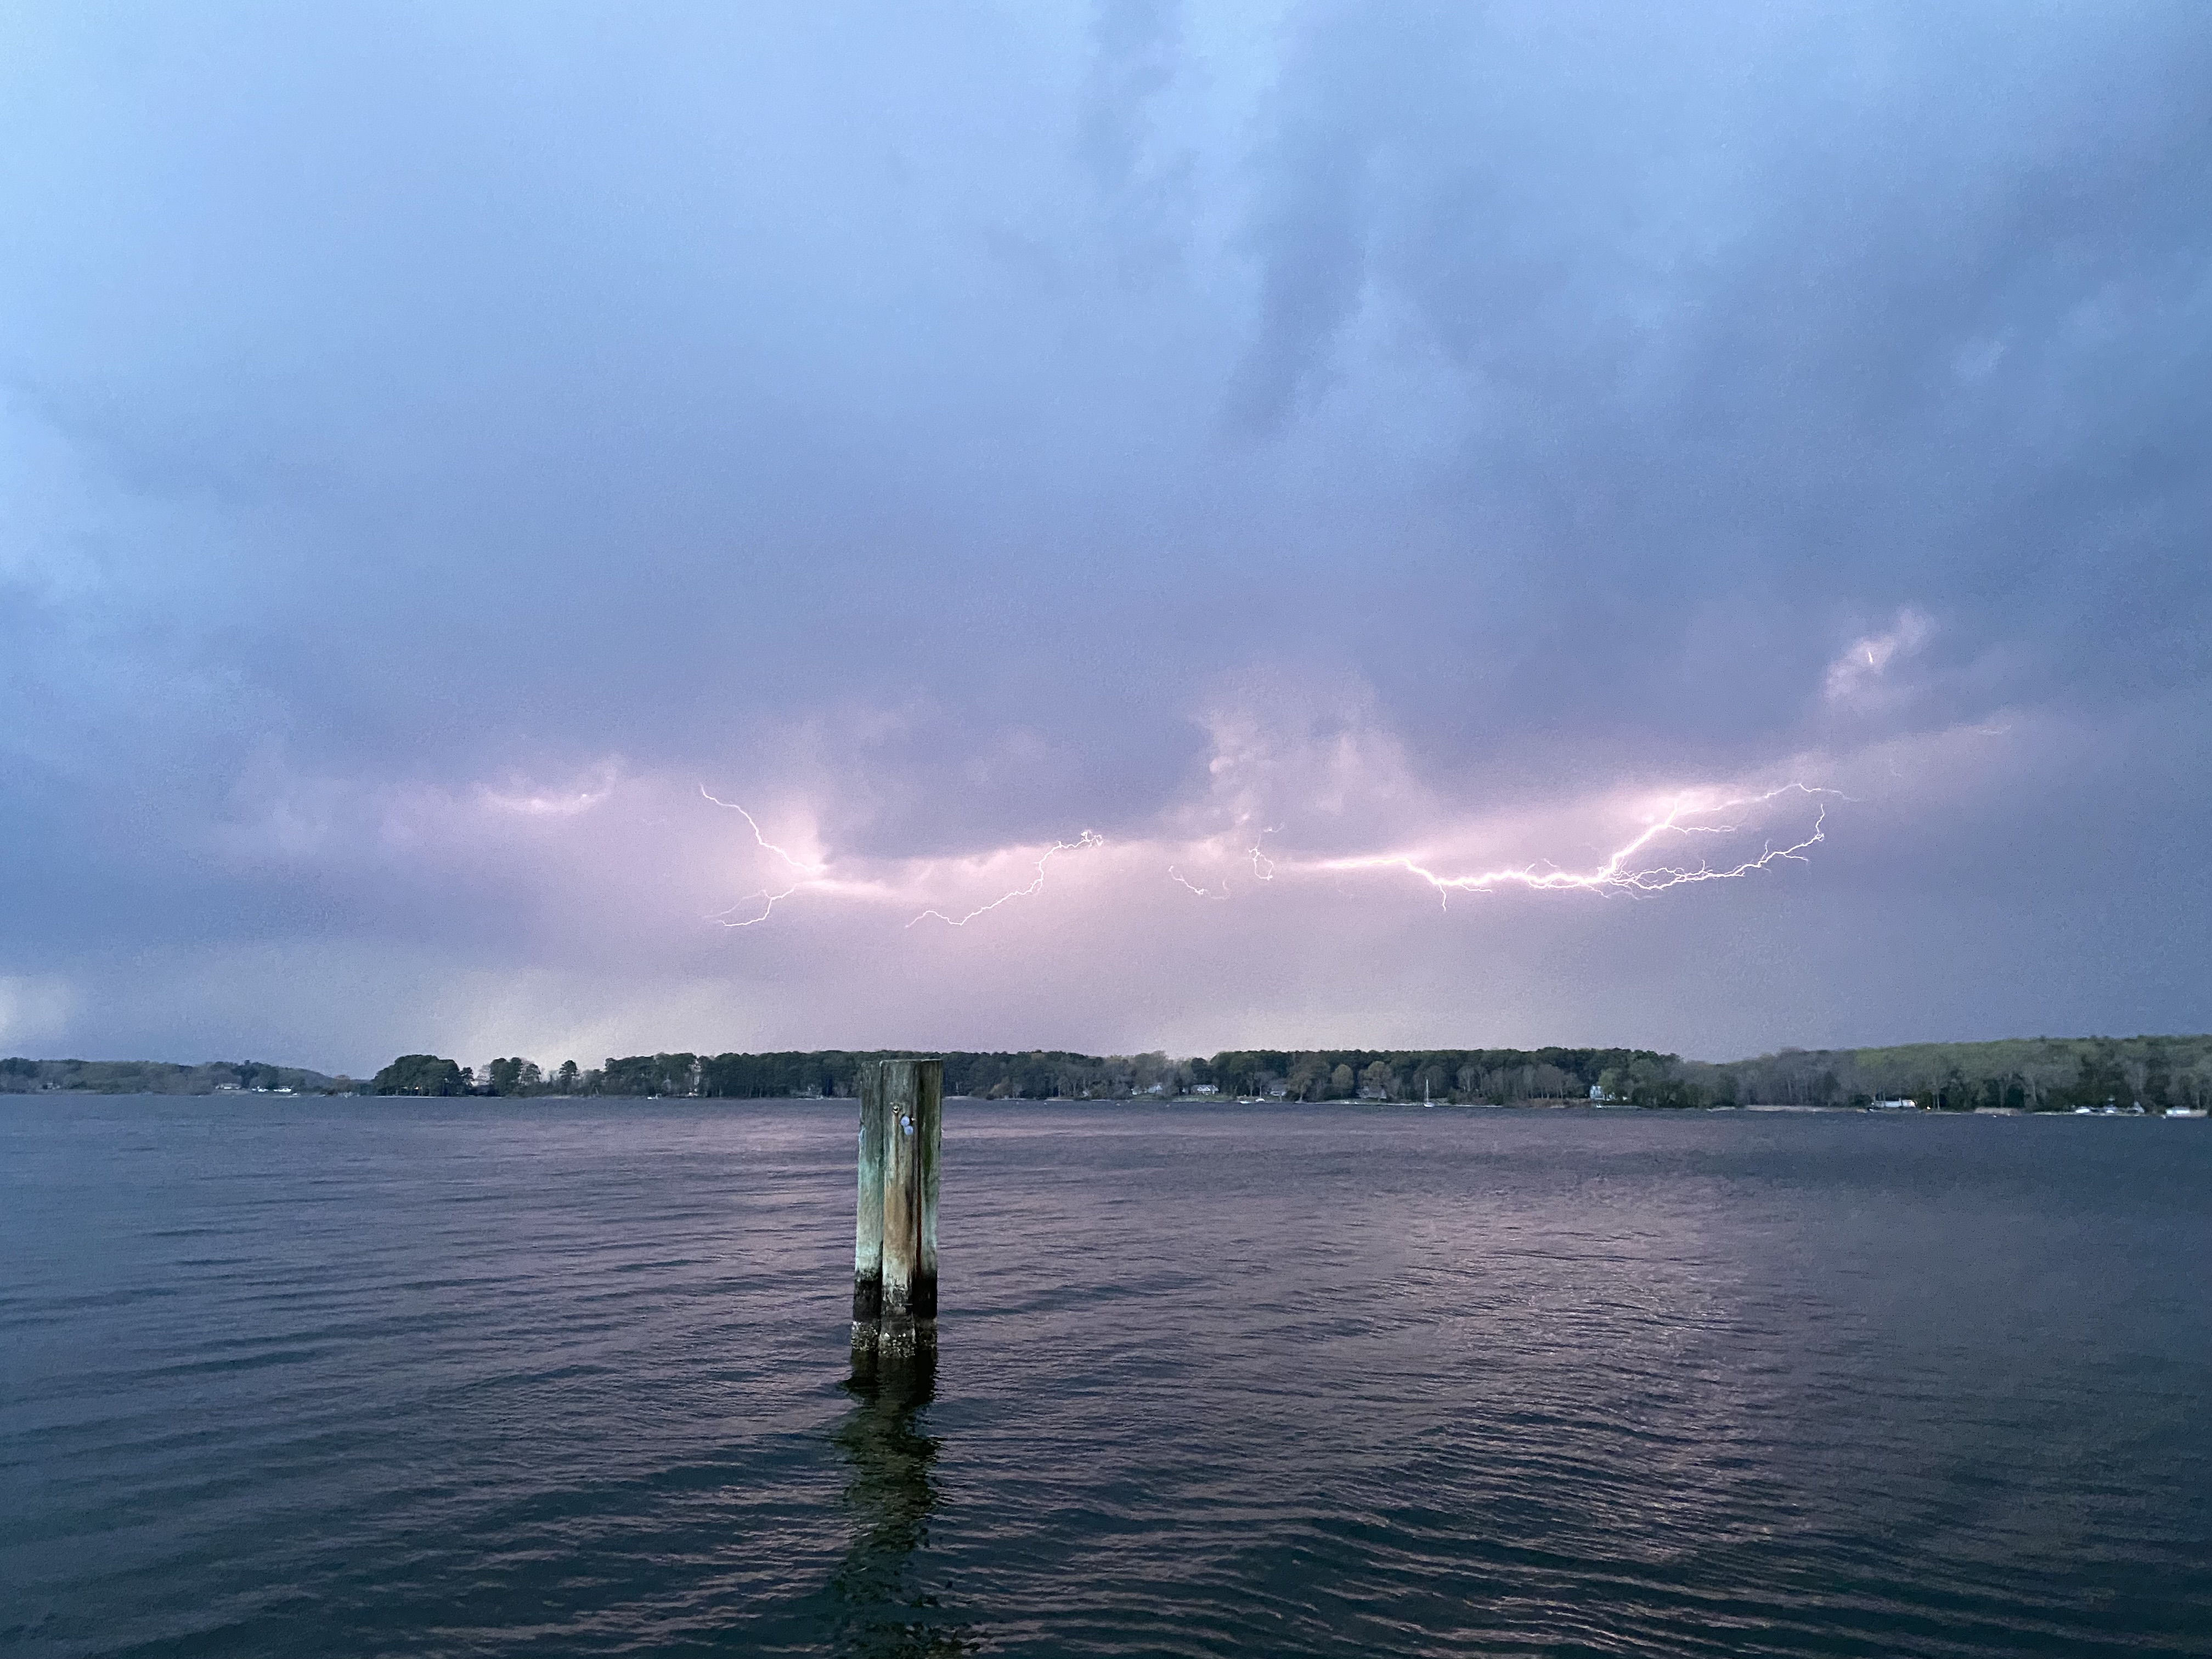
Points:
(20, 1075)
(2027, 1074)
(2037, 1074)
(1044, 1074)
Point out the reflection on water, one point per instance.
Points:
(880, 1607)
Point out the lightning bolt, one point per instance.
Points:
(1203, 892)
(721, 917)
(810, 873)
(1615, 875)
(1260, 857)
(1086, 839)
(799, 864)
(1263, 867)
(1632, 869)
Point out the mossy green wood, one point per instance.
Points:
(903, 1205)
(895, 1219)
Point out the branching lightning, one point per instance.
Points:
(813, 877)
(1259, 859)
(1263, 867)
(1637, 868)
(722, 917)
(1616, 873)
(1086, 839)
(769, 901)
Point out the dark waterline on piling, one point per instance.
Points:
(410, 1378)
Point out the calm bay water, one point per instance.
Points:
(354, 1377)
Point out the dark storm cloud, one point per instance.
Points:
(934, 416)
(1781, 319)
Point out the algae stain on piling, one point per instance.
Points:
(895, 1230)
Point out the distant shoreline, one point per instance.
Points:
(2038, 1075)
(1201, 1101)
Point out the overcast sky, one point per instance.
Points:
(1311, 449)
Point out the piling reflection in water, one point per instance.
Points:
(881, 1607)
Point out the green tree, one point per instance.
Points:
(421, 1074)
(650, 1074)
(517, 1076)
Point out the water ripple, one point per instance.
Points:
(370, 1378)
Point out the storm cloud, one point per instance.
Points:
(442, 446)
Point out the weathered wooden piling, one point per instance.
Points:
(868, 1209)
(904, 1101)
(929, 1109)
